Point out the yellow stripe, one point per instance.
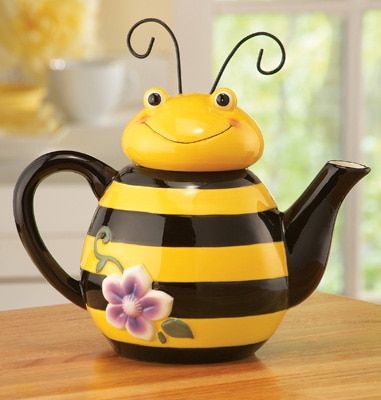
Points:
(216, 332)
(181, 264)
(241, 200)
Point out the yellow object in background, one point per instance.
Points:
(15, 96)
(34, 32)
(31, 34)
(22, 110)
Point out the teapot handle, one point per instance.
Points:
(98, 174)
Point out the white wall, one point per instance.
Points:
(117, 16)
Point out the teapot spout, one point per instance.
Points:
(309, 224)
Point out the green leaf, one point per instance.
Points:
(162, 337)
(177, 328)
(101, 264)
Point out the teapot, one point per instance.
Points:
(187, 258)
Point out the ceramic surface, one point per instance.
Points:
(187, 258)
(212, 264)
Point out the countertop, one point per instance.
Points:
(329, 347)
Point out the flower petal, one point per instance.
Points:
(136, 281)
(140, 328)
(115, 315)
(112, 289)
(156, 305)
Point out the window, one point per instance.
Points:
(298, 109)
(324, 105)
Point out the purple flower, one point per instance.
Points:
(133, 304)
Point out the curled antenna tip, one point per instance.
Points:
(259, 59)
(151, 43)
(141, 55)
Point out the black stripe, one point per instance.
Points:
(140, 176)
(185, 355)
(207, 299)
(188, 231)
(226, 299)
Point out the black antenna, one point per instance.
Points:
(259, 60)
(152, 41)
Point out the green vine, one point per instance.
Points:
(104, 234)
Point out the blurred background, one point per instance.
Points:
(67, 81)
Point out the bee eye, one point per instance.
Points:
(154, 99)
(223, 99)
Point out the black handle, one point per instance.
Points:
(98, 174)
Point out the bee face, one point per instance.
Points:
(192, 132)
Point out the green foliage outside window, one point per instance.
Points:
(300, 113)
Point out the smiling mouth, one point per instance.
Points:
(193, 141)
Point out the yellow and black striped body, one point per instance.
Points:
(213, 241)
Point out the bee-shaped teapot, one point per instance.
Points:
(187, 258)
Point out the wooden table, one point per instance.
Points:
(327, 348)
